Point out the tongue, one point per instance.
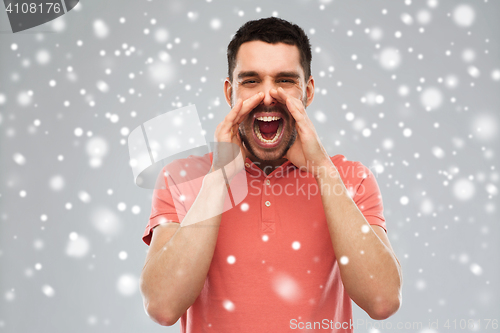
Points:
(268, 129)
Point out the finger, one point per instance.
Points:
(274, 93)
(294, 105)
(234, 130)
(236, 115)
(236, 140)
(284, 98)
(230, 117)
(236, 136)
(248, 105)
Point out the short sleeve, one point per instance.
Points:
(164, 207)
(176, 189)
(369, 199)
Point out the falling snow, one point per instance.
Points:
(228, 305)
(286, 287)
(409, 89)
(127, 284)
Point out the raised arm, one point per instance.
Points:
(370, 271)
(180, 255)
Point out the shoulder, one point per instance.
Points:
(190, 167)
(352, 173)
(348, 168)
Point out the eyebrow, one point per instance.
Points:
(242, 75)
(290, 74)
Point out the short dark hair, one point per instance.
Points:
(271, 30)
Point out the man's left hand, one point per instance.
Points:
(307, 151)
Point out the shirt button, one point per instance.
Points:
(268, 182)
(247, 165)
(268, 203)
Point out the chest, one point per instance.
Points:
(281, 221)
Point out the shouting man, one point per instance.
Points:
(309, 236)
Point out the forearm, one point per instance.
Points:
(174, 277)
(371, 275)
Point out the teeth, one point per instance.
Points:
(259, 135)
(268, 118)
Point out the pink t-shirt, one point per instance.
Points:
(274, 268)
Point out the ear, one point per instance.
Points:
(310, 90)
(228, 90)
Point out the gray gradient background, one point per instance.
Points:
(448, 228)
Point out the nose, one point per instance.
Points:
(268, 99)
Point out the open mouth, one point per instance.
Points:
(268, 130)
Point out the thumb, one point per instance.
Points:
(237, 140)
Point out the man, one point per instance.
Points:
(302, 243)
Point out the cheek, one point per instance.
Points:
(246, 124)
(240, 94)
(296, 92)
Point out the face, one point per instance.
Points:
(269, 130)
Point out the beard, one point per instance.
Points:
(287, 140)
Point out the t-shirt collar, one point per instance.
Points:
(253, 169)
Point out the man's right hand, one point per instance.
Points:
(189, 251)
(228, 143)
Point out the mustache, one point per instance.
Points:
(270, 108)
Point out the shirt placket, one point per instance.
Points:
(268, 202)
